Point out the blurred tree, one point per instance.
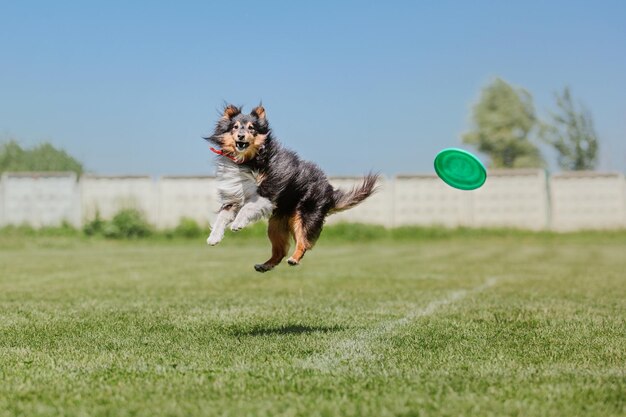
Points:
(503, 119)
(43, 157)
(572, 135)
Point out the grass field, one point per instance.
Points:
(468, 324)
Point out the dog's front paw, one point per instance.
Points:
(213, 240)
(238, 225)
(292, 262)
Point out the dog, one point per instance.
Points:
(258, 177)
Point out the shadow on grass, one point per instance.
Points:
(289, 329)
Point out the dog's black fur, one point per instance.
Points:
(298, 189)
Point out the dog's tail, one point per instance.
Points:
(345, 200)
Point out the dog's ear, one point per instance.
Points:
(258, 112)
(231, 111)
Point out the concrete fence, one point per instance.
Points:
(39, 199)
(588, 201)
(525, 199)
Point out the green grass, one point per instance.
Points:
(466, 323)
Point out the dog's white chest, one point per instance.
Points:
(235, 183)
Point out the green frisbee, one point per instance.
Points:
(460, 169)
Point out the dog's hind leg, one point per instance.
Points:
(225, 217)
(278, 232)
(254, 210)
(304, 236)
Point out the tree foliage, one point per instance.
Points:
(572, 134)
(42, 157)
(503, 119)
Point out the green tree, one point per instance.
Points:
(503, 119)
(43, 157)
(572, 134)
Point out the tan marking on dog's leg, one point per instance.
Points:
(278, 232)
(302, 244)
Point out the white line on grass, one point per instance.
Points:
(358, 347)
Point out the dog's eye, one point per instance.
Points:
(251, 128)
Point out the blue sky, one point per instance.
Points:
(130, 87)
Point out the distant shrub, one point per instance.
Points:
(95, 226)
(127, 223)
(188, 228)
(111, 231)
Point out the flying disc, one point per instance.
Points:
(460, 169)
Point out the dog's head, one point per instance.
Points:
(241, 136)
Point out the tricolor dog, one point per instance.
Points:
(258, 178)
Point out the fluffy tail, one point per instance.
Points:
(345, 200)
